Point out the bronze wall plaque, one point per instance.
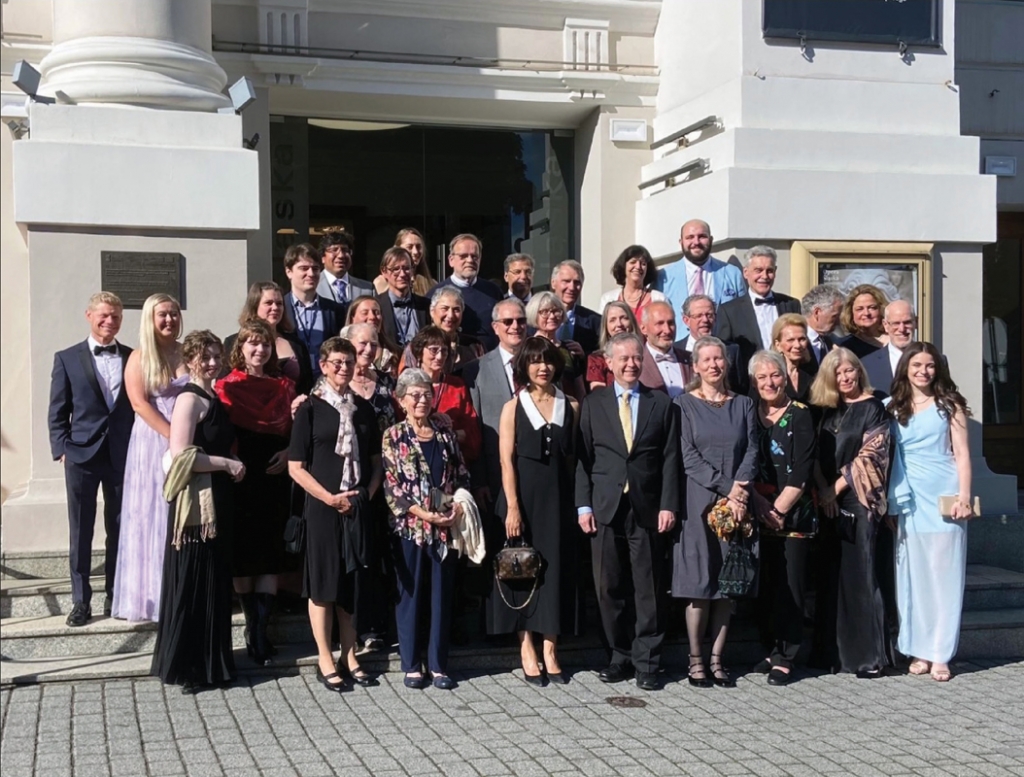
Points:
(135, 275)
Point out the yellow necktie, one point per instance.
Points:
(626, 419)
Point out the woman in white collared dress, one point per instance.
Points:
(536, 436)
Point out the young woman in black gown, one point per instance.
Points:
(536, 434)
(853, 454)
(193, 639)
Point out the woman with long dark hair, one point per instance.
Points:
(933, 459)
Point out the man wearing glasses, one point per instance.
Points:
(699, 315)
(490, 384)
(480, 295)
(403, 313)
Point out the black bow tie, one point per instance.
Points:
(402, 303)
(765, 301)
(98, 349)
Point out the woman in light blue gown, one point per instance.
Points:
(932, 459)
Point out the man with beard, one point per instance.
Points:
(698, 272)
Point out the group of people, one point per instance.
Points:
(703, 437)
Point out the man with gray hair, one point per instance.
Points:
(465, 252)
(821, 307)
(900, 323)
(748, 320)
(519, 276)
(700, 315)
(581, 325)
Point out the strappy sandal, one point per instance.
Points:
(722, 679)
(941, 675)
(698, 682)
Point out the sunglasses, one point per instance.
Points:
(508, 322)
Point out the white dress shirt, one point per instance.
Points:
(895, 354)
(816, 343)
(108, 370)
(331, 278)
(670, 369)
(506, 361)
(766, 316)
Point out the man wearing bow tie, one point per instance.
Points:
(90, 420)
(747, 321)
(666, 366)
(403, 313)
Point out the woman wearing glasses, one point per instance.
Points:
(421, 460)
(335, 458)
(546, 314)
(451, 401)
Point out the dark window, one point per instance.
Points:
(913, 22)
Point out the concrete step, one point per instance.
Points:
(43, 565)
(992, 588)
(35, 598)
(997, 540)
(992, 634)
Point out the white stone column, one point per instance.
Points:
(154, 54)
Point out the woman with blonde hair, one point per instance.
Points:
(861, 317)
(853, 462)
(617, 318)
(789, 338)
(423, 282)
(153, 377)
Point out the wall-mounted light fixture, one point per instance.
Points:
(628, 130)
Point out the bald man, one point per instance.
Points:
(698, 272)
(900, 323)
(666, 367)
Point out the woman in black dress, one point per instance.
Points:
(782, 502)
(853, 445)
(374, 591)
(789, 338)
(536, 434)
(193, 638)
(258, 400)
(862, 319)
(335, 458)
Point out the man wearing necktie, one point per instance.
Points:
(667, 367)
(747, 321)
(821, 307)
(90, 420)
(336, 247)
(628, 493)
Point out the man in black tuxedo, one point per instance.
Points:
(403, 314)
(90, 419)
(628, 475)
(900, 324)
(582, 325)
(747, 321)
(821, 307)
(316, 318)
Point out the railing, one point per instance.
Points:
(680, 135)
(669, 178)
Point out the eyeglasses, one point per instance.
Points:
(420, 396)
(549, 312)
(508, 322)
(708, 315)
(340, 364)
(437, 350)
(403, 270)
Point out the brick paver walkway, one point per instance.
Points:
(495, 724)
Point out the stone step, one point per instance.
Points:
(992, 634)
(992, 588)
(43, 565)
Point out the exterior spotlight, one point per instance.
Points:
(26, 78)
(242, 95)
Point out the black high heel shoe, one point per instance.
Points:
(723, 681)
(536, 680)
(359, 677)
(698, 682)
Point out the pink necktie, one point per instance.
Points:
(698, 286)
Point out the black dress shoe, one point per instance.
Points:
(721, 677)
(647, 681)
(869, 674)
(534, 679)
(778, 677)
(416, 682)
(558, 678)
(81, 614)
(444, 682)
(615, 673)
(764, 666)
(108, 604)
(696, 662)
(325, 681)
(359, 677)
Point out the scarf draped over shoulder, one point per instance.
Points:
(347, 445)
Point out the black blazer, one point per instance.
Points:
(879, 371)
(653, 468)
(587, 329)
(732, 355)
(812, 364)
(79, 420)
(420, 308)
(333, 313)
(737, 324)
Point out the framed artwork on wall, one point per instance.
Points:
(901, 270)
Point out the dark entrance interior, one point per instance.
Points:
(511, 188)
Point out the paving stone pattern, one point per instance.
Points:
(495, 724)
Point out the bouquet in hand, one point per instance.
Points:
(724, 523)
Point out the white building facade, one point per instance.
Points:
(551, 127)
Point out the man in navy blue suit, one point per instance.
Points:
(90, 420)
(582, 325)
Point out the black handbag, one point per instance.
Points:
(514, 563)
(739, 570)
(295, 535)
